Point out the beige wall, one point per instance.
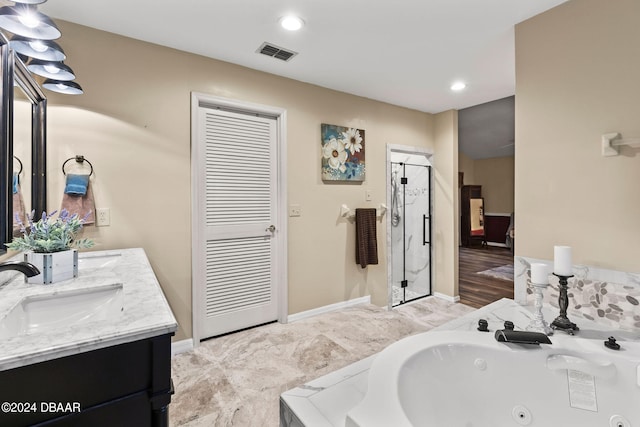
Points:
(447, 201)
(577, 69)
(496, 176)
(133, 124)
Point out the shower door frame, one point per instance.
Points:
(420, 151)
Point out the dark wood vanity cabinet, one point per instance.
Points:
(122, 385)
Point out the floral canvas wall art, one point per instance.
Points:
(342, 153)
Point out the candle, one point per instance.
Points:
(539, 274)
(562, 261)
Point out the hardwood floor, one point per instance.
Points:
(478, 290)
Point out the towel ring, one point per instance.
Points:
(78, 159)
(20, 163)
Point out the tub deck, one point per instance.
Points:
(326, 401)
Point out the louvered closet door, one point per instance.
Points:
(239, 204)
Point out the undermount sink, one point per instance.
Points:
(60, 310)
(100, 261)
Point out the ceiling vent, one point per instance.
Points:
(277, 52)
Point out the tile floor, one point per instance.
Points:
(236, 380)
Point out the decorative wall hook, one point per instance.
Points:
(612, 141)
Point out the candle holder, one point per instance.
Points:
(538, 324)
(562, 322)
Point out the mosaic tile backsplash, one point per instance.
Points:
(604, 296)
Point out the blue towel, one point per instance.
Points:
(76, 185)
(16, 181)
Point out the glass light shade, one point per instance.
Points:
(24, 20)
(66, 87)
(29, 1)
(47, 50)
(51, 69)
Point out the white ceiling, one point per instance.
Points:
(404, 52)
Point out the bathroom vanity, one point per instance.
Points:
(92, 351)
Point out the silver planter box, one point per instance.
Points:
(54, 267)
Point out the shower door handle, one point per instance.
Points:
(424, 230)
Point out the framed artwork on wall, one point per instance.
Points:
(342, 151)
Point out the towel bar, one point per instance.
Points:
(349, 214)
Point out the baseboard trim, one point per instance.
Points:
(182, 346)
(328, 308)
(446, 297)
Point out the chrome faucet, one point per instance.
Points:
(25, 268)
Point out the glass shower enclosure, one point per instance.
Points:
(411, 228)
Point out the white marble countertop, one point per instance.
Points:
(146, 312)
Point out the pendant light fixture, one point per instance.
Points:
(66, 87)
(24, 20)
(47, 50)
(33, 44)
(51, 69)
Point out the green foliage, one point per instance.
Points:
(50, 235)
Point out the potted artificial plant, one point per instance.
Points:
(50, 244)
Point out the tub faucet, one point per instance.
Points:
(521, 337)
(25, 268)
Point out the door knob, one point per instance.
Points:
(271, 228)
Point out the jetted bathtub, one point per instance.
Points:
(468, 379)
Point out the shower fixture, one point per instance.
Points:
(395, 208)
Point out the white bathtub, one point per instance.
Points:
(468, 379)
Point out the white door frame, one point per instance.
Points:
(408, 149)
(197, 205)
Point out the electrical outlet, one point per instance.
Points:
(103, 217)
(295, 210)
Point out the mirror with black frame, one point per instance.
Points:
(22, 143)
(21, 182)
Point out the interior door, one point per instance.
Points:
(239, 167)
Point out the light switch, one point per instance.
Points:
(295, 210)
(367, 195)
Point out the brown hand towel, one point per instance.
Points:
(366, 239)
(81, 205)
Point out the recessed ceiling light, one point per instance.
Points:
(291, 23)
(458, 86)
